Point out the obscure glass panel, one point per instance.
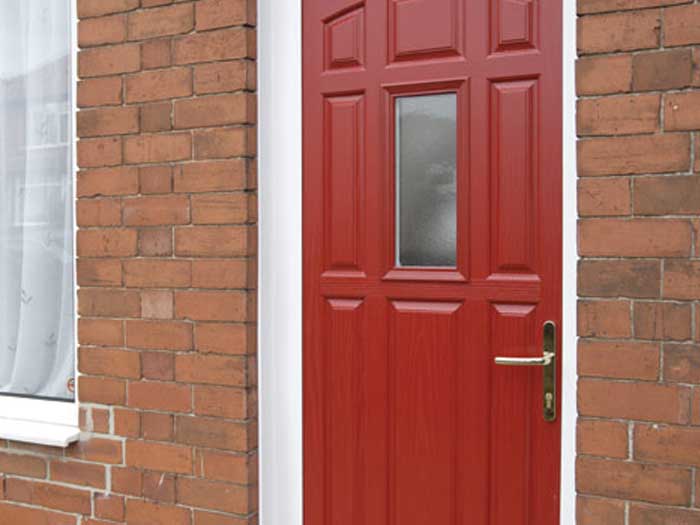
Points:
(426, 180)
(37, 339)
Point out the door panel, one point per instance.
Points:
(407, 420)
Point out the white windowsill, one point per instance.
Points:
(49, 434)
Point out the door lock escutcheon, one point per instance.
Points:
(548, 362)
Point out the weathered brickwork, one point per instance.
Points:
(166, 267)
(638, 82)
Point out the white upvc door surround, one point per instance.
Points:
(280, 259)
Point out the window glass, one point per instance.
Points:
(37, 356)
(426, 180)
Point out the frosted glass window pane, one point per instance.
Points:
(426, 176)
(37, 340)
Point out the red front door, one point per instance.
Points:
(432, 245)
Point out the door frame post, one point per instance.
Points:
(280, 263)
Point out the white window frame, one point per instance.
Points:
(40, 421)
(280, 259)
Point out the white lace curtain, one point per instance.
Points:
(36, 199)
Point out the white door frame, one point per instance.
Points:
(280, 260)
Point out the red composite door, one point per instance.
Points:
(432, 246)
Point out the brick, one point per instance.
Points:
(662, 70)
(105, 61)
(159, 85)
(145, 149)
(216, 110)
(90, 8)
(618, 32)
(157, 304)
(76, 473)
(222, 143)
(22, 465)
(681, 279)
(213, 14)
(620, 360)
(666, 321)
(220, 338)
(212, 46)
(156, 211)
(665, 444)
(667, 195)
(159, 335)
(212, 242)
(211, 518)
(146, 513)
(210, 369)
(156, 53)
(106, 243)
(220, 209)
(159, 487)
(15, 514)
(229, 403)
(609, 319)
(211, 433)
(104, 30)
(681, 111)
(97, 302)
(221, 466)
(601, 438)
(211, 306)
(164, 21)
(108, 182)
(100, 420)
(625, 480)
(48, 495)
(633, 155)
(97, 153)
(219, 77)
(109, 507)
(159, 456)
(156, 117)
(158, 365)
(167, 397)
(597, 6)
(155, 242)
(156, 179)
(99, 272)
(197, 177)
(682, 363)
(634, 238)
(623, 115)
(102, 91)
(651, 515)
(682, 25)
(109, 362)
(604, 197)
(595, 511)
(157, 427)
(127, 481)
(102, 390)
(219, 273)
(97, 450)
(127, 423)
(640, 401)
(101, 332)
(99, 212)
(619, 278)
(603, 75)
(212, 495)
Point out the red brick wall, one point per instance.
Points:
(166, 268)
(639, 206)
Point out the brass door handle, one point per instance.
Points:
(548, 361)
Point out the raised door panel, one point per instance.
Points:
(513, 176)
(343, 179)
(513, 25)
(424, 366)
(422, 29)
(344, 40)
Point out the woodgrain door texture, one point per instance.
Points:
(432, 244)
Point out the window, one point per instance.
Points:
(426, 173)
(37, 299)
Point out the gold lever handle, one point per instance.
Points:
(548, 362)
